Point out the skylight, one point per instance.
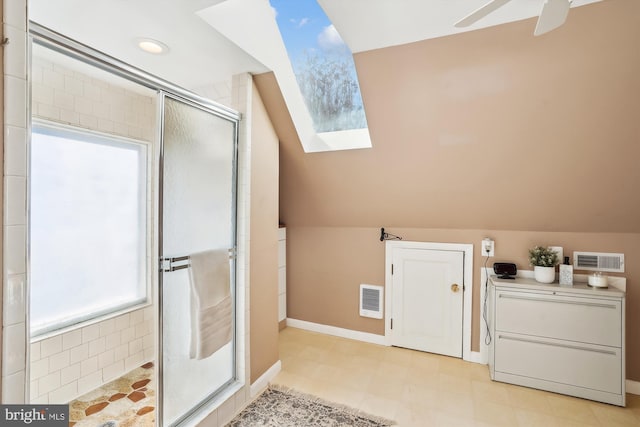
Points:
(323, 66)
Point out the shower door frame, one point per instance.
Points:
(57, 42)
(234, 251)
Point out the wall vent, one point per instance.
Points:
(371, 301)
(598, 261)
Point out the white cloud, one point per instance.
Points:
(329, 39)
(299, 23)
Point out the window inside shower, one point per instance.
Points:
(88, 225)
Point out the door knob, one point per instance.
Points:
(455, 287)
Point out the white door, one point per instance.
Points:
(427, 300)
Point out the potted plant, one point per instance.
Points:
(544, 261)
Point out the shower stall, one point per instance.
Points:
(183, 208)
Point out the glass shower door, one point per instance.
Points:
(198, 223)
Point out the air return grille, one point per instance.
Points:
(598, 261)
(371, 301)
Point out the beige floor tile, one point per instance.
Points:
(614, 416)
(573, 409)
(496, 414)
(428, 390)
(490, 392)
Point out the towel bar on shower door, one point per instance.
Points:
(166, 264)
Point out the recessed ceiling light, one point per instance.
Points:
(152, 46)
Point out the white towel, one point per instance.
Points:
(211, 308)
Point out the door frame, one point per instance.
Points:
(467, 301)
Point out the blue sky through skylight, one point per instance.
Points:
(323, 65)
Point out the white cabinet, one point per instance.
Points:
(282, 274)
(563, 339)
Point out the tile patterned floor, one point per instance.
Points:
(422, 389)
(128, 401)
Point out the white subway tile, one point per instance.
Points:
(113, 371)
(69, 117)
(149, 354)
(47, 111)
(97, 346)
(39, 368)
(72, 85)
(127, 335)
(148, 341)
(59, 361)
(15, 151)
(106, 358)
(33, 390)
(134, 361)
(64, 394)
(71, 339)
(92, 91)
(88, 366)
(137, 317)
(122, 322)
(63, 70)
(49, 382)
(84, 106)
(13, 349)
(42, 400)
(142, 329)
(42, 93)
(15, 249)
(89, 382)
(105, 125)
(52, 78)
(35, 351)
(90, 333)
(63, 100)
(14, 300)
(107, 327)
(101, 110)
(15, 65)
(50, 346)
(112, 340)
(13, 391)
(15, 95)
(89, 122)
(121, 352)
(135, 346)
(78, 354)
(15, 13)
(70, 373)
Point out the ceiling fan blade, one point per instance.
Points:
(553, 15)
(480, 13)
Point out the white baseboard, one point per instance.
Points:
(476, 357)
(337, 332)
(264, 380)
(633, 387)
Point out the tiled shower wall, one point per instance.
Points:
(14, 330)
(73, 363)
(68, 365)
(63, 95)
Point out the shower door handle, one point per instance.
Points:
(167, 264)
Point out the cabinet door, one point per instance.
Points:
(582, 365)
(588, 320)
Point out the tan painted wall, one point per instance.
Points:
(264, 241)
(530, 140)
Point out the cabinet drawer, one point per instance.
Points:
(581, 365)
(590, 320)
